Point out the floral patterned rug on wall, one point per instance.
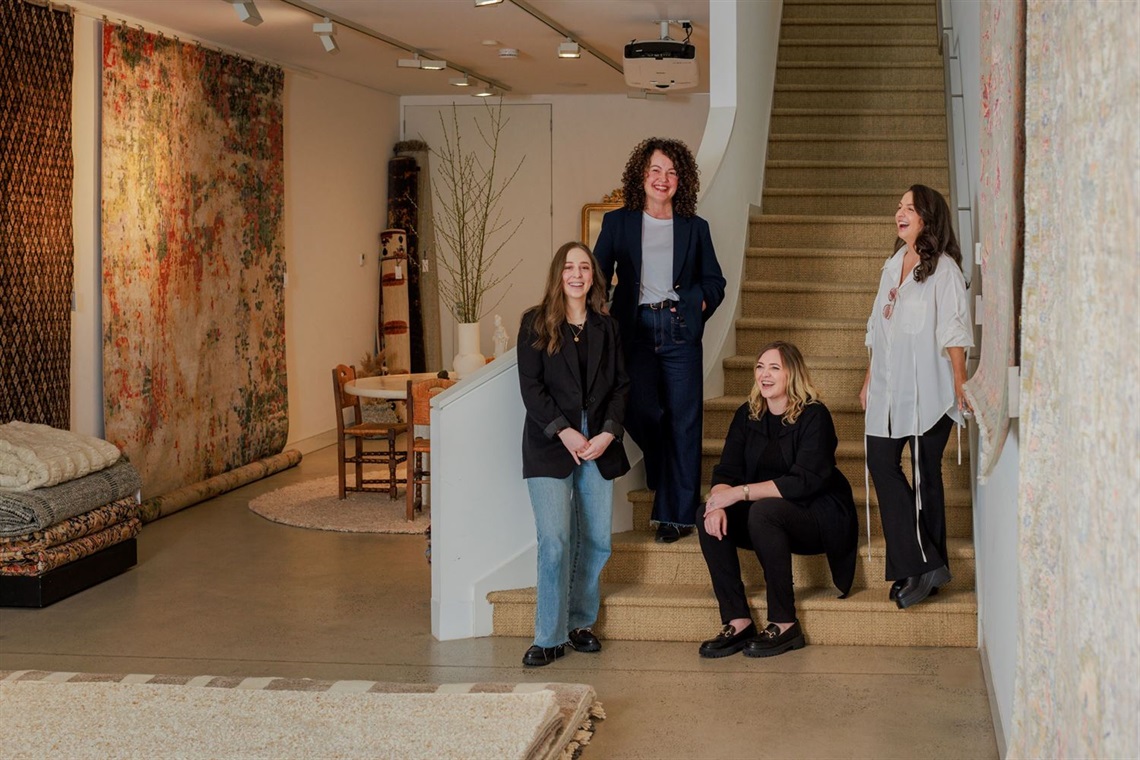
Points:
(193, 258)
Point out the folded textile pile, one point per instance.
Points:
(63, 497)
(38, 456)
(76, 537)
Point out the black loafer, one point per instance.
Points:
(771, 642)
(537, 656)
(727, 641)
(667, 534)
(584, 640)
(897, 586)
(918, 587)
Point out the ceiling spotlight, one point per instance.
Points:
(481, 3)
(569, 49)
(462, 81)
(415, 62)
(248, 13)
(326, 30)
(486, 92)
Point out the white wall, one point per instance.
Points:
(338, 138)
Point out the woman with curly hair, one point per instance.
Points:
(918, 334)
(778, 492)
(668, 284)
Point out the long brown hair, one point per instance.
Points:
(549, 315)
(937, 236)
(801, 391)
(688, 175)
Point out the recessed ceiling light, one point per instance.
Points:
(490, 43)
(509, 53)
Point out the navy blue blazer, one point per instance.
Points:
(696, 272)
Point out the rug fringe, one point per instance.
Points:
(585, 732)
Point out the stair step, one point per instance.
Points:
(858, 148)
(658, 612)
(817, 337)
(846, 414)
(806, 298)
(924, 50)
(835, 378)
(859, 121)
(898, 175)
(850, 461)
(818, 264)
(959, 512)
(885, 97)
(857, 30)
(863, 73)
(800, 12)
(838, 232)
(638, 558)
(811, 201)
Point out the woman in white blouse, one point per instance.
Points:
(918, 334)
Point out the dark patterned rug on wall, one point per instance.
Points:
(36, 248)
(193, 264)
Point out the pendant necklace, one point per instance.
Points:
(576, 332)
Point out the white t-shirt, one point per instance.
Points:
(912, 380)
(656, 260)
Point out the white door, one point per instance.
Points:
(526, 136)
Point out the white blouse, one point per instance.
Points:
(912, 380)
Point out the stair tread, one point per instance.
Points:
(854, 21)
(817, 137)
(842, 42)
(815, 219)
(815, 362)
(858, 111)
(810, 163)
(955, 497)
(846, 65)
(853, 253)
(948, 600)
(845, 449)
(733, 402)
(803, 322)
(799, 286)
(645, 541)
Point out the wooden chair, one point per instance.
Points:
(358, 431)
(420, 393)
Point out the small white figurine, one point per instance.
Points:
(500, 338)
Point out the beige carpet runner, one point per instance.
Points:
(80, 715)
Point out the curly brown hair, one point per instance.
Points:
(688, 175)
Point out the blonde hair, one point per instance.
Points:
(801, 391)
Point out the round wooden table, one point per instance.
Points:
(385, 386)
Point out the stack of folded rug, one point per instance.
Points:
(63, 497)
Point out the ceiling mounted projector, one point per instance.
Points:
(663, 64)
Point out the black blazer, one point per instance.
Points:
(812, 479)
(696, 272)
(554, 398)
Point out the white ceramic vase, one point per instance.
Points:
(469, 357)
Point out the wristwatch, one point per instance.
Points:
(747, 496)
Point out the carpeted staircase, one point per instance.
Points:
(858, 117)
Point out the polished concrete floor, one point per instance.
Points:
(221, 591)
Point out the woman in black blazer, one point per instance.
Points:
(778, 492)
(573, 382)
(669, 283)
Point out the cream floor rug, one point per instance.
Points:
(314, 504)
(83, 715)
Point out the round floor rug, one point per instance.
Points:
(313, 504)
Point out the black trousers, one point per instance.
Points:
(901, 529)
(775, 529)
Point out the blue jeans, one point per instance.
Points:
(666, 400)
(573, 517)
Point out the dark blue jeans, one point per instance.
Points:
(666, 394)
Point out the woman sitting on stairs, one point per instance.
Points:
(778, 492)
